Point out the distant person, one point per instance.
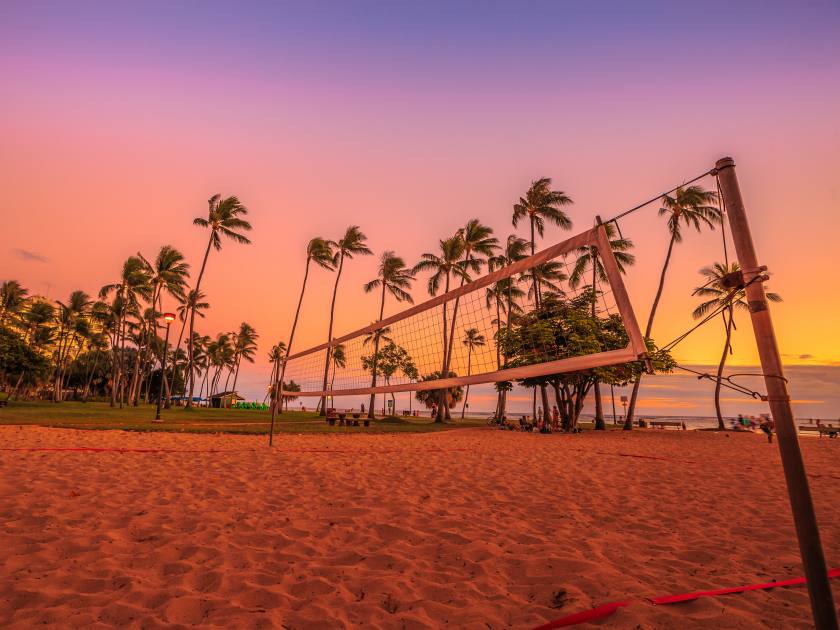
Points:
(767, 426)
(555, 418)
(832, 432)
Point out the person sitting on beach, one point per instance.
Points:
(832, 432)
(735, 425)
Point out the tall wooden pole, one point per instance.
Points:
(810, 548)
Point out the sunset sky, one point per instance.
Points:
(120, 121)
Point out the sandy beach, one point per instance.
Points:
(462, 529)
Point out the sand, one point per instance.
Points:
(463, 529)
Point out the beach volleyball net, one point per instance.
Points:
(463, 336)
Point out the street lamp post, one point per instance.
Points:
(168, 318)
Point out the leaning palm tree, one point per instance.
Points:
(693, 207)
(443, 268)
(319, 251)
(726, 298)
(541, 204)
(12, 298)
(588, 260)
(392, 277)
(349, 245)
(479, 247)
(472, 340)
(223, 219)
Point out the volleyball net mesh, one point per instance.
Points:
(490, 329)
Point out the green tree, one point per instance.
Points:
(224, 218)
(350, 245)
(721, 296)
(387, 361)
(692, 206)
(564, 328)
(430, 397)
(392, 277)
(588, 261)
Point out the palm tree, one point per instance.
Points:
(320, 251)
(245, 347)
(223, 218)
(394, 278)
(71, 326)
(587, 258)
(339, 360)
(275, 357)
(12, 298)
(541, 204)
(721, 296)
(479, 246)
(444, 266)
(380, 334)
(168, 272)
(194, 302)
(543, 279)
(507, 296)
(693, 207)
(472, 340)
(349, 245)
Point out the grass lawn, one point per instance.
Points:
(95, 415)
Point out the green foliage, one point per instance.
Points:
(18, 358)
(389, 360)
(565, 328)
(428, 397)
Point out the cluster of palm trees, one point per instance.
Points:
(113, 344)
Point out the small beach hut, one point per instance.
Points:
(224, 400)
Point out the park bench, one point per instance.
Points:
(332, 416)
(812, 428)
(663, 424)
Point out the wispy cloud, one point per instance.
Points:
(25, 254)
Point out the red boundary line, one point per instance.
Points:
(605, 610)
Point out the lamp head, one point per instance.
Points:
(169, 317)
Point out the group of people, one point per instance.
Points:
(541, 424)
(751, 423)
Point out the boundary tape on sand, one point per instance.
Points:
(93, 449)
(605, 610)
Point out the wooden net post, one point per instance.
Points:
(808, 534)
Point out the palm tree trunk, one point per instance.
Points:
(631, 408)
(544, 400)
(192, 320)
(467, 393)
(728, 324)
(90, 376)
(121, 373)
(175, 365)
(372, 401)
(329, 332)
(443, 398)
(600, 425)
(282, 372)
(236, 374)
(533, 271)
